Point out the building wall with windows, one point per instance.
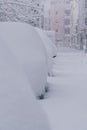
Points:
(57, 19)
(75, 17)
(61, 20)
(68, 22)
(82, 22)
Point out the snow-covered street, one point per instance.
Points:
(66, 103)
(43, 64)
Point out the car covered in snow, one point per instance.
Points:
(50, 48)
(26, 45)
(19, 109)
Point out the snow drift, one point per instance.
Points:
(19, 109)
(27, 46)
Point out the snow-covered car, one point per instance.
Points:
(26, 45)
(50, 47)
(51, 38)
(51, 42)
(19, 110)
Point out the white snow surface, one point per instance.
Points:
(19, 109)
(66, 103)
(26, 45)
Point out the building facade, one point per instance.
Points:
(82, 37)
(61, 21)
(75, 18)
(57, 20)
(68, 23)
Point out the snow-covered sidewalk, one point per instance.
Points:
(66, 103)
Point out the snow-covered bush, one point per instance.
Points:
(19, 109)
(28, 11)
(26, 45)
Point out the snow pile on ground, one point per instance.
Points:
(19, 109)
(66, 103)
(26, 45)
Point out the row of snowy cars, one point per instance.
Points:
(26, 56)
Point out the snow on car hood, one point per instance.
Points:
(19, 109)
(26, 45)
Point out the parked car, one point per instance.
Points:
(19, 109)
(26, 45)
(51, 36)
(50, 48)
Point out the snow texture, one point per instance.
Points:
(19, 109)
(28, 11)
(49, 48)
(26, 45)
(66, 103)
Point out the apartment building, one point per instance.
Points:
(61, 21)
(74, 28)
(82, 23)
(68, 22)
(57, 20)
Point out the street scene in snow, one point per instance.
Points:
(43, 64)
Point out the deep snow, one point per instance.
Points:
(19, 109)
(26, 45)
(66, 103)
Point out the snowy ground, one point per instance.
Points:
(66, 103)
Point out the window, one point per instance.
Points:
(85, 21)
(67, 30)
(56, 12)
(67, 21)
(37, 4)
(67, 12)
(85, 3)
(86, 36)
(56, 30)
